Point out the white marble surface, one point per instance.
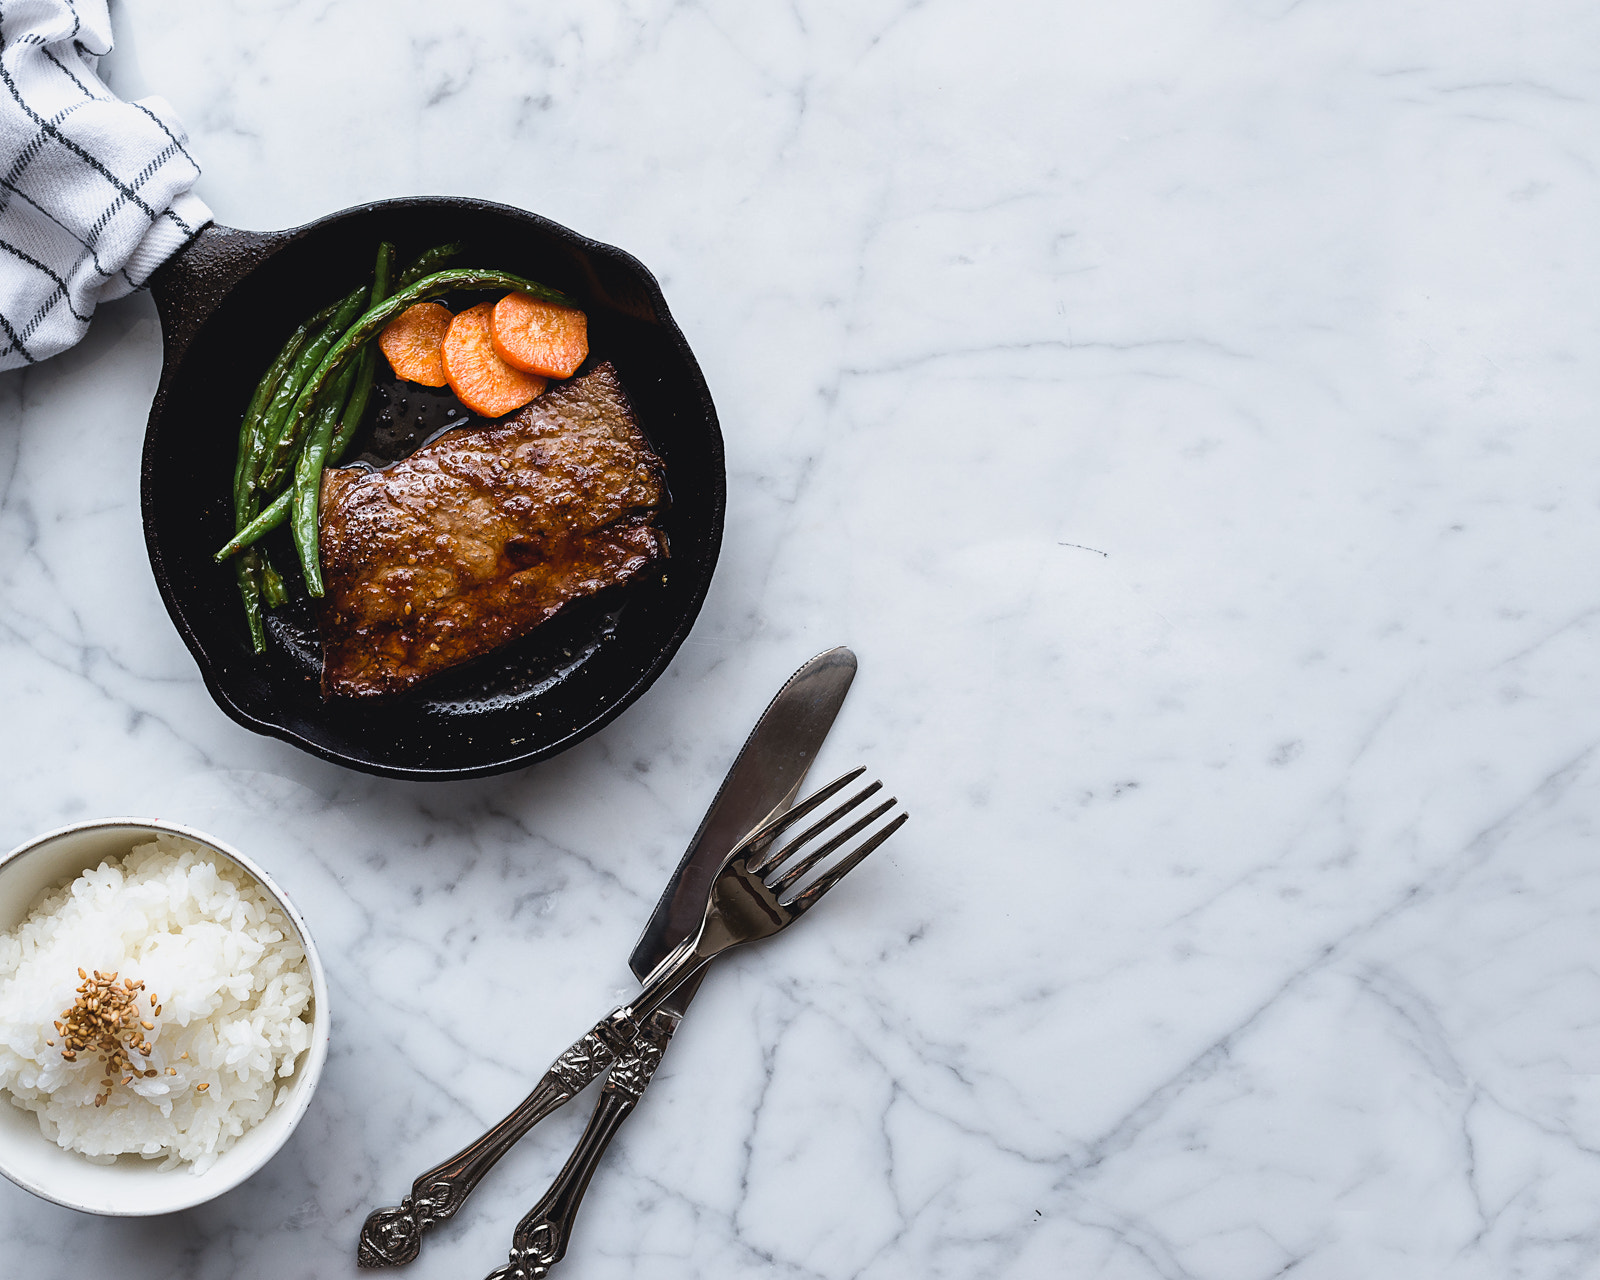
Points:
(1187, 411)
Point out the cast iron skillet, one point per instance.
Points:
(227, 302)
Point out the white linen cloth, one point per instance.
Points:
(94, 191)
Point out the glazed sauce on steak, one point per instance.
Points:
(482, 534)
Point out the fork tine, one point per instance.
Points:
(768, 829)
(770, 861)
(805, 901)
(789, 877)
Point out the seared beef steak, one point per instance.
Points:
(481, 535)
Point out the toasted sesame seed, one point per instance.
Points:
(201, 1088)
(105, 1020)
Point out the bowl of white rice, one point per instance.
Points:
(163, 1017)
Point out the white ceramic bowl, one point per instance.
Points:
(134, 1186)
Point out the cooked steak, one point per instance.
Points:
(480, 536)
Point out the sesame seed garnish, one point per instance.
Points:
(105, 1017)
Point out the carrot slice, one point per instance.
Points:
(412, 343)
(482, 381)
(540, 337)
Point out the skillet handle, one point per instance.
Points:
(188, 286)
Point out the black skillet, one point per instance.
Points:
(227, 302)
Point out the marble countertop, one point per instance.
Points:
(1186, 411)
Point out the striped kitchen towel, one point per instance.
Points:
(94, 191)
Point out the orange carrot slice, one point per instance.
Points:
(482, 381)
(412, 343)
(540, 337)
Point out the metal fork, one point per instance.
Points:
(753, 896)
(747, 901)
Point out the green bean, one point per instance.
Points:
(258, 528)
(259, 525)
(349, 424)
(307, 485)
(368, 326)
(426, 264)
(249, 426)
(356, 407)
(252, 448)
(278, 511)
(277, 453)
(257, 579)
(351, 390)
(248, 573)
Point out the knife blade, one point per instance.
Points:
(764, 780)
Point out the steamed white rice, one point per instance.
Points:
(235, 993)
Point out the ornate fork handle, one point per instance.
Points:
(393, 1236)
(541, 1237)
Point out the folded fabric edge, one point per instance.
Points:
(178, 225)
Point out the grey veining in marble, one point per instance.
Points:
(1186, 410)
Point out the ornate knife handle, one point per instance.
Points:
(541, 1237)
(393, 1236)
